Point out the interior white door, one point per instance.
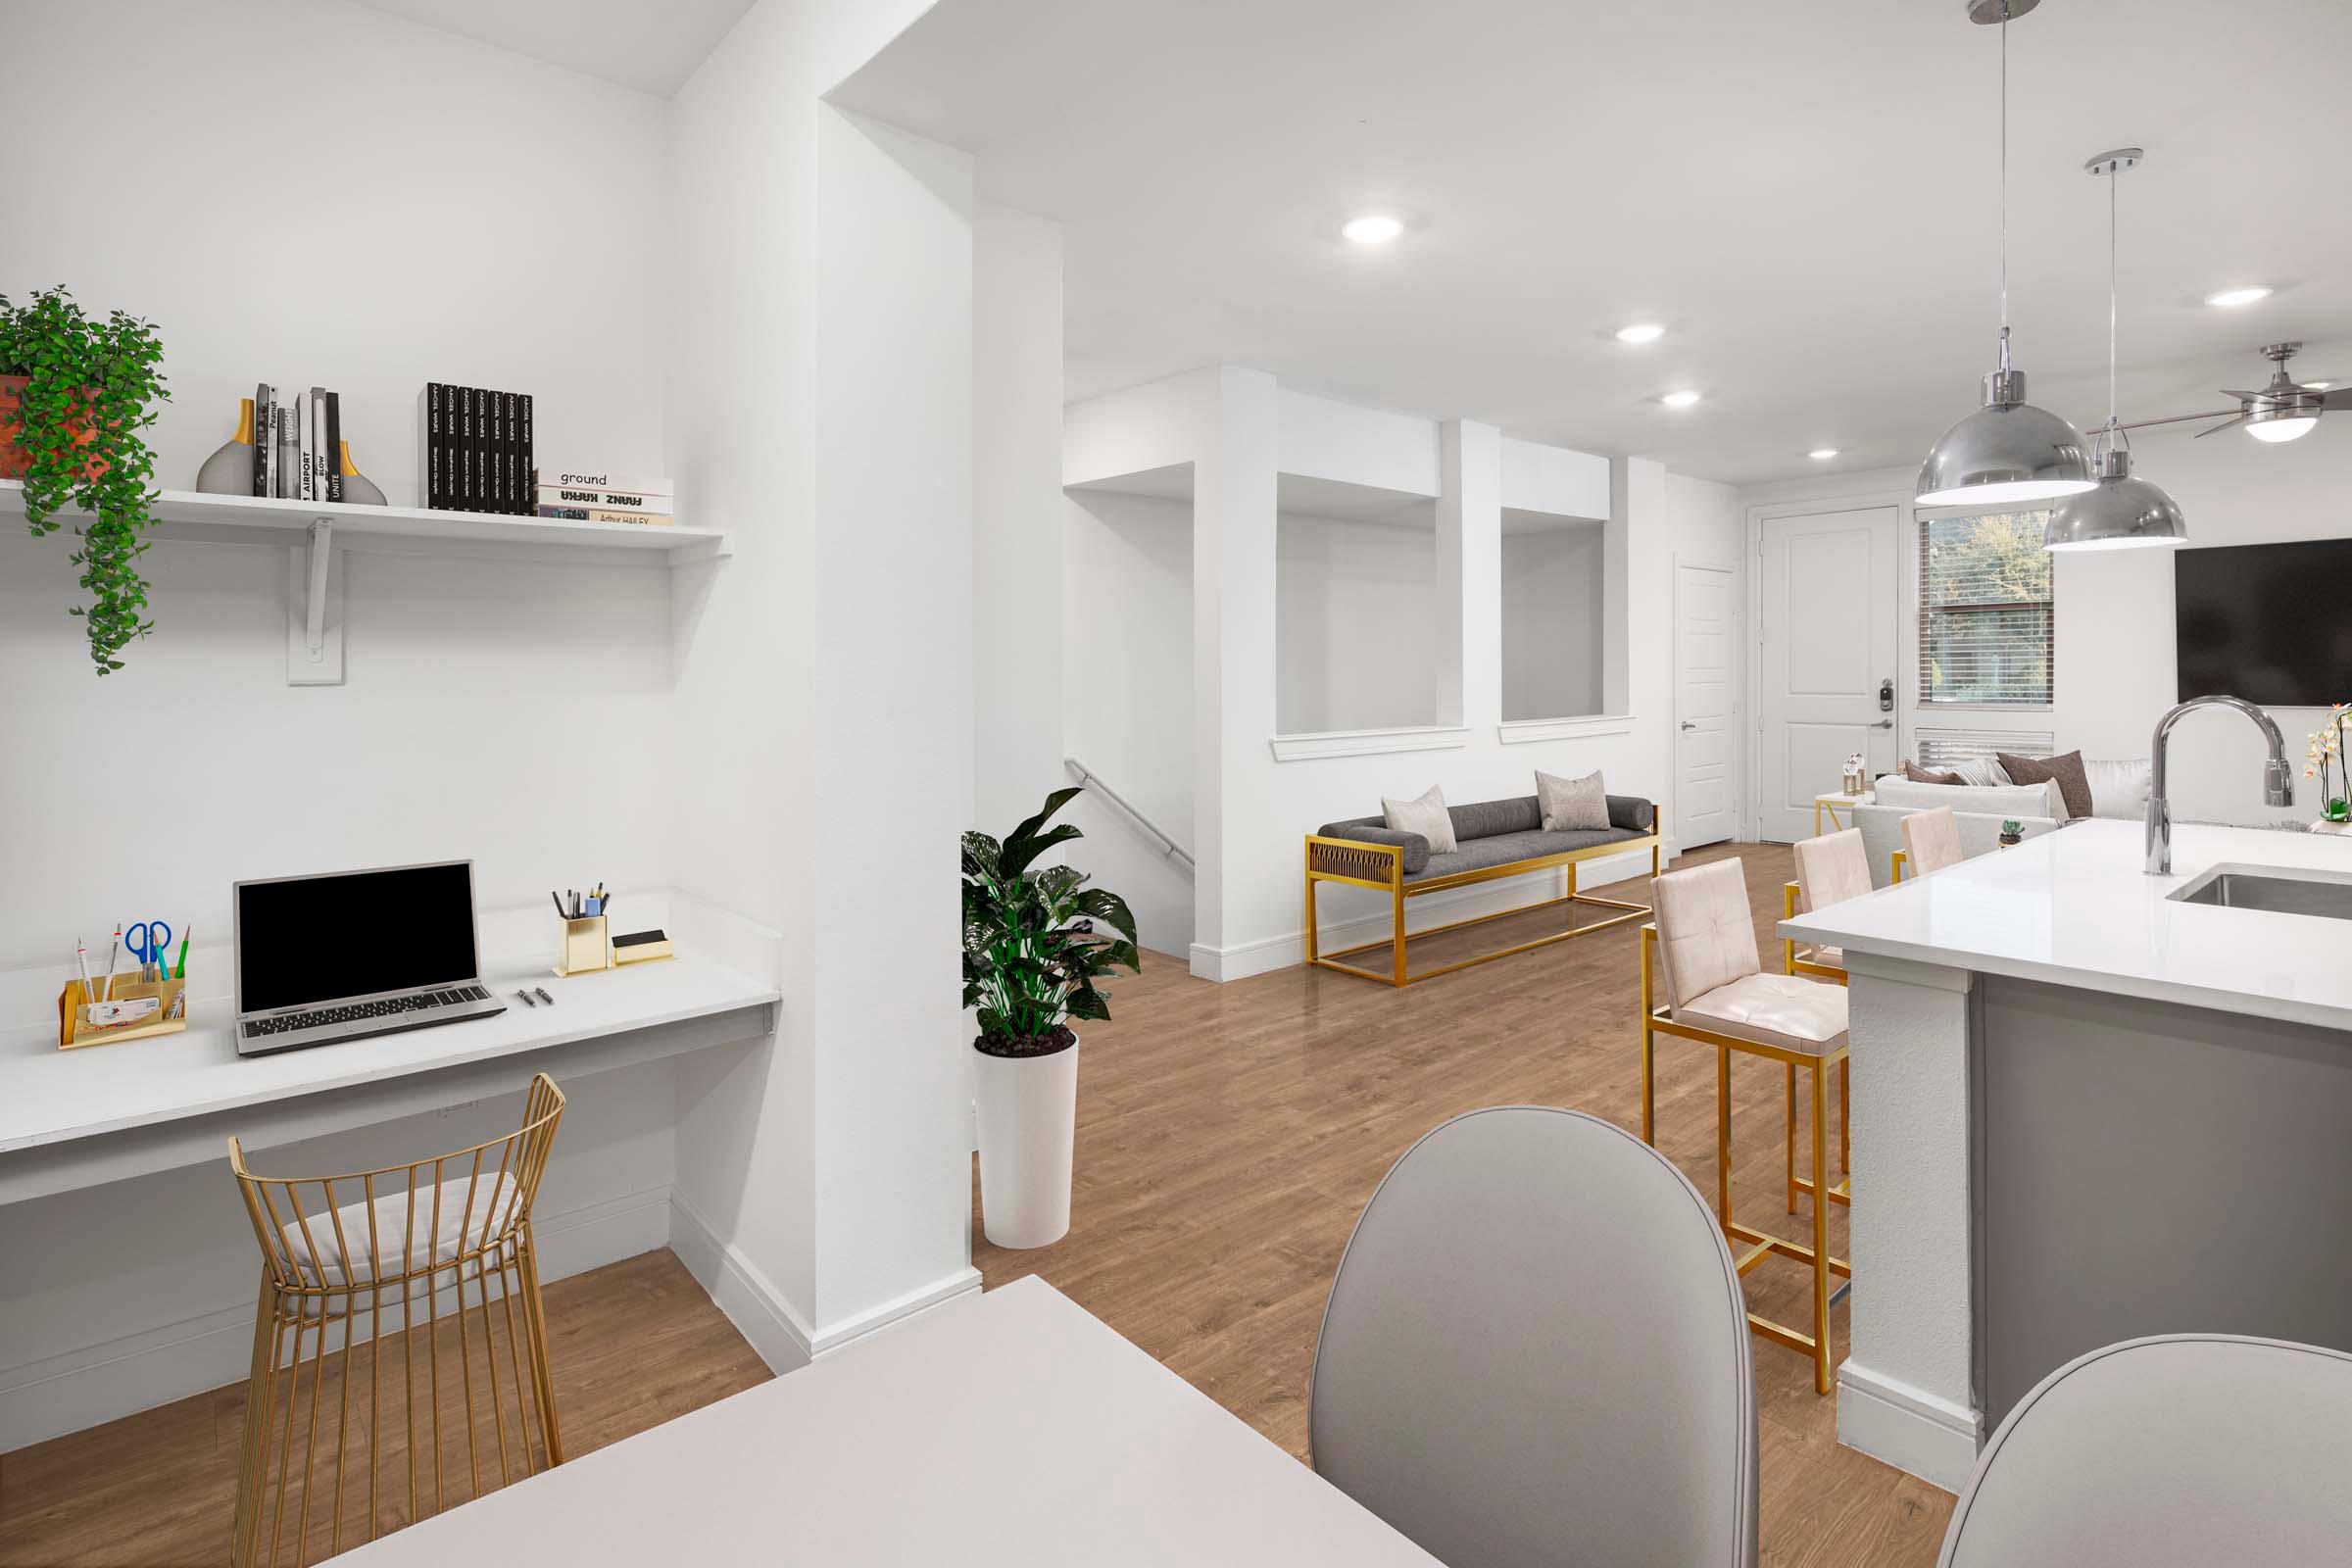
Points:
(1706, 804)
(1826, 659)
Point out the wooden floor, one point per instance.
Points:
(1228, 1138)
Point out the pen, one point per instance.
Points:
(112, 955)
(527, 998)
(81, 956)
(544, 997)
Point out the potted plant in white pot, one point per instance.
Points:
(1031, 959)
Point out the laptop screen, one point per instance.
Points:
(313, 939)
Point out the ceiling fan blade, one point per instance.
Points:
(2229, 392)
(2223, 425)
(2338, 396)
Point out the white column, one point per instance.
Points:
(1232, 638)
(1468, 640)
(1906, 1393)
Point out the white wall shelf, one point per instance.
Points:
(188, 514)
(1368, 742)
(1519, 731)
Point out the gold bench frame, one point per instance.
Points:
(1353, 862)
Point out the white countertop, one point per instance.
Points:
(2074, 908)
(49, 1095)
(1011, 1429)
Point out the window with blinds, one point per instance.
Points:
(1984, 610)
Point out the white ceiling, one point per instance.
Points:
(1804, 194)
(651, 45)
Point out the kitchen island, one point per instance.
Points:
(2090, 1103)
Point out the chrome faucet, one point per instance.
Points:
(2277, 780)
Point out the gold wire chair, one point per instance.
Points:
(396, 1237)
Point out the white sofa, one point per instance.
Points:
(1979, 809)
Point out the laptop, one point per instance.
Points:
(323, 959)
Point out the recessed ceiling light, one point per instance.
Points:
(1681, 399)
(2230, 299)
(1641, 333)
(1373, 229)
(1822, 454)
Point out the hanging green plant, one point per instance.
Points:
(82, 390)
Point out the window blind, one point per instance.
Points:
(1943, 750)
(1986, 618)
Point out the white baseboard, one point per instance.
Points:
(98, 1383)
(1240, 960)
(1908, 1428)
(766, 1318)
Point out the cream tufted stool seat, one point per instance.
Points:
(1830, 869)
(1701, 952)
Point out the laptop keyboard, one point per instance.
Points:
(388, 1008)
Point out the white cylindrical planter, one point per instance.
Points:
(1028, 1124)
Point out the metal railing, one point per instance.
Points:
(1094, 781)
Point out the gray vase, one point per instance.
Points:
(229, 471)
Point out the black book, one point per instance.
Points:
(260, 437)
(469, 498)
(430, 422)
(494, 496)
(526, 458)
(334, 446)
(511, 452)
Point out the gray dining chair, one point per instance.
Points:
(2168, 1452)
(1536, 1351)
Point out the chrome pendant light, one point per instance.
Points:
(2008, 451)
(2123, 511)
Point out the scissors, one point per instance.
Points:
(149, 942)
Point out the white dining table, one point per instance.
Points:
(1010, 1428)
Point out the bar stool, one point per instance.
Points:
(1931, 842)
(1704, 946)
(1830, 869)
(334, 1265)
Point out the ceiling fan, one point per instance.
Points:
(2285, 408)
(2280, 410)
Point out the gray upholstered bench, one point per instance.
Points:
(1494, 839)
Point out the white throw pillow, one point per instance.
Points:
(1986, 773)
(2118, 789)
(1426, 816)
(1572, 805)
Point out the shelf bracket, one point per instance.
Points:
(313, 610)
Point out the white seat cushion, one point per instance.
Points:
(1831, 869)
(1706, 933)
(1786, 1010)
(458, 1231)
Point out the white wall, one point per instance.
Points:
(1016, 516)
(2116, 670)
(470, 684)
(1128, 698)
(1354, 610)
(1551, 622)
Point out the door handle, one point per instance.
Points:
(1883, 724)
(1690, 724)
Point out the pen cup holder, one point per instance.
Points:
(587, 947)
(76, 1028)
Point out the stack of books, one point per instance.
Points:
(296, 445)
(473, 449)
(599, 495)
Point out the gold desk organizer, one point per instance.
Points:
(74, 1030)
(587, 947)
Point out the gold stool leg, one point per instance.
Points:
(1845, 1114)
(1397, 898)
(1788, 1120)
(1722, 1136)
(1821, 1232)
(542, 1379)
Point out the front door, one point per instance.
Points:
(1826, 659)
(1705, 807)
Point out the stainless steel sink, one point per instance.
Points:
(2280, 889)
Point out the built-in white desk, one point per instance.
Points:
(119, 1296)
(76, 1118)
(1010, 1428)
